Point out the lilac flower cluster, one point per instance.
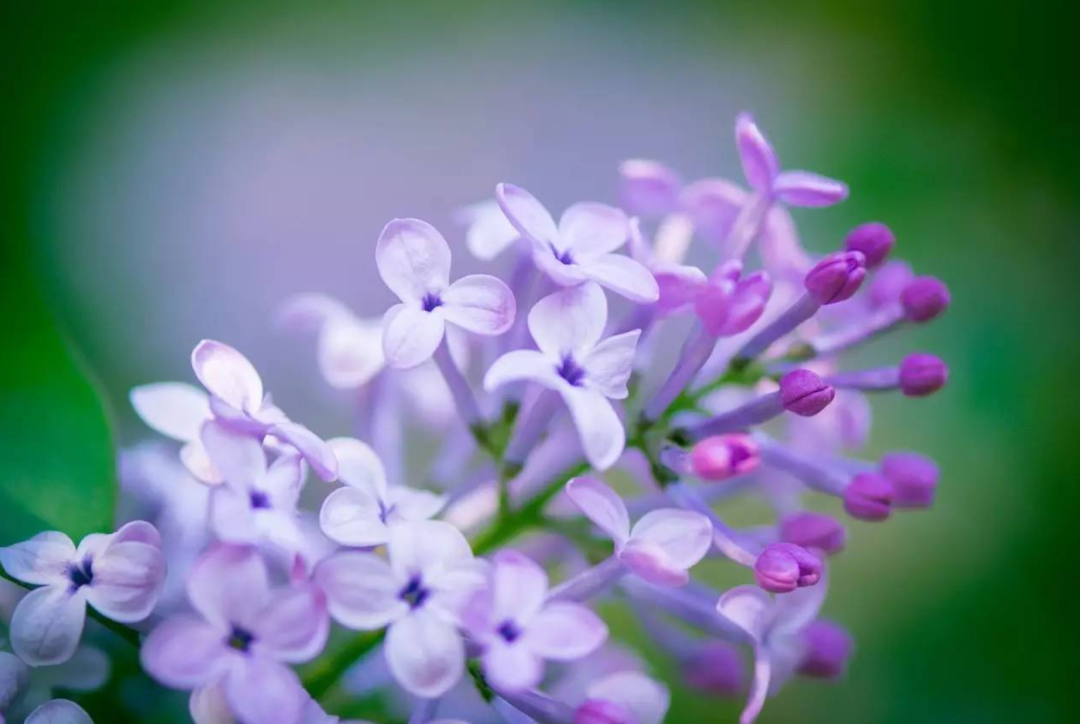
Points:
(471, 591)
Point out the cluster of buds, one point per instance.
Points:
(433, 592)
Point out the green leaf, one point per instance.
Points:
(57, 468)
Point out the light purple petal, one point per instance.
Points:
(489, 233)
(262, 691)
(174, 409)
(653, 563)
(228, 375)
(352, 517)
(424, 545)
(802, 188)
(599, 427)
(59, 711)
(609, 364)
(194, 457)
(411, 335)
(231, 516)
(527, 215)
(713, 204)
(565, 631)
(42, 560)
(309, 311)
(624, 276)
(410, 504)
(512, 667)
(413, 259)
(519, 587)
(479, 303)
(137, 531)
(588, 230)
(128, 578)
(679, 286)
(359, 466)
(758, 158)
(759, 687)
(781, 252)
(207, 705)
(47, 625)
(350, 351)
(314, 449)
(683, 534)
(649, 188)
(569, 321)
(522, 365)
(793, 612)
(562, 273)
(645, 698)
(425, 654)
(361, 590)
(229, 584)
(185, 652)
(602, 506)
(239, 458)
(294, 626)
(748, 607)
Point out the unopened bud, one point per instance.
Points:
(868, 497)
(925, 298)
(922, 374)
(875, 240)
(805, 393)
(783, 567)
(814, 531)
(723, 456)
(827, 649)
(836, 277)
(914, 479)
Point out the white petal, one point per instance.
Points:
(602, 506)
(512, 667)
(128, 578)
(423, 545)
(315, 451)
(645, 698)
(565, 631)
(207, 705)
(527, 215)
(410, 504)
(683, 534)
(229, 584)
(413, 259)
(194, 457)
(411, 335)
(239, 458)
(569, 321)
(174, 409)
(651, 562)
(47, 625)
(228, 375)
(425, 654)
(361, 590)
(748, 607)
(759, 687)
(624, 276)
(609, 364)
(42, 560)
(352, 517)
(522, 365)
(490, 233)
(294, 626)
(308, 312)
(232, 518)
(359, 466)
(599, 428)
(59, 711)
(519, 587)
(350, 351)
(479, 303)
(263, 691)
(589, 230)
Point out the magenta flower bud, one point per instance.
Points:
(868, 497)
(814, 531)
(723, 456)
(874, 240)
(914, 479)
(925, 298)
(714, 667)
(601, 711)
(836, 277)
(804, 393)
(828, 647)
(783, 567)
(922, 375)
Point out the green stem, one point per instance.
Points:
(327, 671)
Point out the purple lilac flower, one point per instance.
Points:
(59, 711)
(119, 574)
(626, 697)
(679, 284)
(349, 348)
(489, 233)
(178, 411)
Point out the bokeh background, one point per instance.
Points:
(170, 172)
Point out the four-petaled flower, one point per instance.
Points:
(414, 261)
(518, 628)
(573, 361)
(119, 574)
(349, 348)
(661, 547)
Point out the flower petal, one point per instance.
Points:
(565, 631)
(425, 654)
(413, 259)
(410, 504)
(231, 518)
(748, 607)
(569, 321)
(802, 188)
(194, 457)
(359, 466)
(522, 365)
(527, 215)
(174, 409)
(624, 276)
(350, 351)
(519, 587)
(59, 711)
(479, 303)
(759, 162)
(652, 563)
(424, 545)
(229, 584)
(47, 625)
(262, 691)
(589, 230)
(309, 311)
(512, 667)
(489, 233)
(599, 428)
(227, 374)
(649, 188)
(295, 625)
(411, 335)
(609, 364)
(207, 705)
(128, 578)
(602, 506)
(645, 698)
(239, 458)
(713, 204)
(185, 652)
(683, 534)
(759, 687)
(361, 590)
(314, 449)
(352, 517)
(42, 560)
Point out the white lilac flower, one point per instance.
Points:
(349, 348)
(362, 513)
(119, 574)
(418, 593)
(575, 362)
(488, 233)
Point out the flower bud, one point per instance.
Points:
(714, 667)
(804, 393)
(925, 298)
(814, 531)
(783, 567)
(827, 649)
(723, 456)
(922, 375)
(836, 277)
(914, 479)
(875, 240)
(868, 497)
(601, 711)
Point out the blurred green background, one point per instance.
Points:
(954, 122)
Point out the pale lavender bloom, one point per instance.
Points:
(178, 410)
(243, 634)
(23, 689)
(489, 233)
(660, 548)
(418, 593)
(349, 348)
(237, 400)
(573, 361)
(729, 303)
(580, 248)
(362, 513)
(626, 697)
(59, 711)
(649, 188)
(518, 628)
(119, 574)
(679, 284)
(209, 705)
(414, 261)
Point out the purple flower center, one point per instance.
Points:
(414, 593)
(431, 301)
(571, 371)
(564, 256)
(385, 511)
(739, 454)
(259, 500)
(81, 574)
(240, 639)
(509, 631)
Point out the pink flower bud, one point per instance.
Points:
(925, 298)
(814, 531)
(600, 711)
(828, 648)
(783, 567)
(723, 456)
(804, 393)
(875, 240)
(914, 479)
(869, 497)
(922, 374)
(836, 277)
